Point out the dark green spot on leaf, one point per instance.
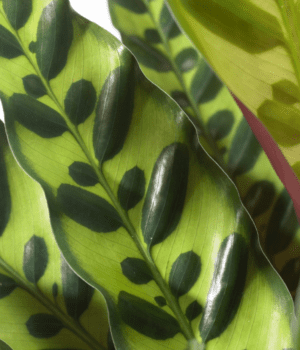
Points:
(114, 112)
(88, 209)
(220, 124)
(136, 270)
(244, 151)
(54, 38)
(186, 59)
(193, 310)
(226, 288)
(147, 318)
(168, 25)
(166, 194)
(34, 86)
(43, 325)
(83, 174)
(136, 6)
(181, 98)
(259, 198)
(211, 91)
(9, 45)
(32, 46)
(7, 285)
(80, 101)
(36, 116)
(152, 36)
(17, 12)
(161, 301)
(35, 258)
(184, 273)
(76, 292)
(132, 188)
(146, 54)
(54, 290)
(201, 81)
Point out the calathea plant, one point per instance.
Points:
(125, 219)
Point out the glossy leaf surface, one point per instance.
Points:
(43, 303)
(103, 236)
(224, 133)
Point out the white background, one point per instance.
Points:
(94, 10)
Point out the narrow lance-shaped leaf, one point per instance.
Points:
(134, 124)
(32, 285)
(224, 132)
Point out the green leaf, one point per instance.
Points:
(33, 86)
(9, 46)
(188, 208)
(223, 131)
(40, 295)
(254, 47)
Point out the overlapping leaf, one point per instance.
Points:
(135, 202)
(254, 47)
(43, 303)
(224, 132)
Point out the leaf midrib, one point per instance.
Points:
(68, 322)
(172, 302)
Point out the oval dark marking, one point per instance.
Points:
(17, 12)
(32, 46)
(291, 273)
(282, 225)
(132, 188)
(165, 196)
(184, 273)
(136, 270)
(147, 55)
(212, 89)
(80, 101)
(200, 81)
(136, 6)
(285, 91)
(7, 285)
(54, 290)
(83, 174)
(110, 343)
(147, 318)
(77, 294)
(88, 209)
(36, 116)
(9, 45)
(244, 150)
(259, 197)
(226, 288)
(168, 24)
(114, 112)
(34, 86)
(193, 310)
(35, 258)
(181, 98)
(43, 325)
(4, 346)
(152, 36)
(161, 301)
(5, 202)
(54, 38)
(187, 59)
(220, 124)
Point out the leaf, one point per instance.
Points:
(33, 86)
(223, 131)
(262, 37)
(188, 205)
(38, 298)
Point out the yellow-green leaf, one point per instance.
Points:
(185, 213)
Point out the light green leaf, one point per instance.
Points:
(223, 131)
(124, 253)
(43, 303)
(254, 47)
